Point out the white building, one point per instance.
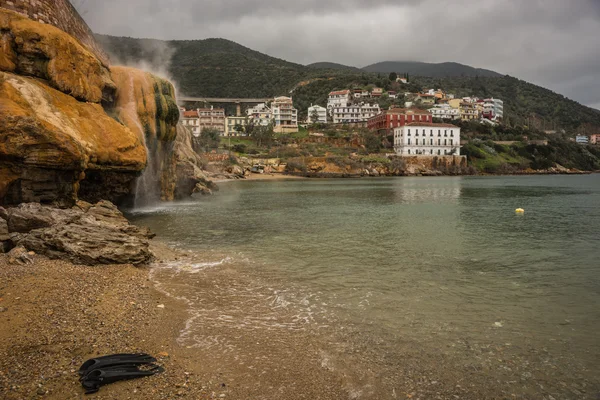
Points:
(340, 98)
(582, 139)
(321, 112)
(369, 111)
(285, 116)
(354, 113)
(260, 114)
(191, 119)
(444, 111)
(346, 114)
(493, 107)
(421, 138)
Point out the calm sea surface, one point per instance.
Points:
(417, 287)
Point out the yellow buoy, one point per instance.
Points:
(519, 211)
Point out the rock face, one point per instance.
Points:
(43, 51)
(380, 166)
(50, 143)
(189, 176)
(72, 127)
(85, 234)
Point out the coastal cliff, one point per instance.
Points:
(73, 127)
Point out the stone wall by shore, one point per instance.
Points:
(61, 14)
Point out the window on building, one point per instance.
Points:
(409, 149)
(439, 152)
(439, 142)
(445, 133)
(431, 132)
(431, 151)
(451, 133)
(439, 133)
(451, 142)
(445, 142)
(431, 141)
(409, 132)
(409, 141)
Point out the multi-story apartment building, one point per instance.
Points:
(319, 112)
(595, 138)
(260, 114)
(368, 111)
(285, 116)
(232, 123)
(468, 111)
(388, 120)
(493, 109)
(426, 98)
(346, 114)
(444, 111)
(377, 92)
(212, 118)
(340, 98)
(427, 139)
(354, 113)
(191, 120)
(582, 139)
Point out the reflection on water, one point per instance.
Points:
(417, 280)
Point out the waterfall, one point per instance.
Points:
(147, 186)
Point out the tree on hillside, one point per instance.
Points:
(393, 76)
(238, 128)
(314, 116)
(209, 139)
(263, 135)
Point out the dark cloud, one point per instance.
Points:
(552, 43)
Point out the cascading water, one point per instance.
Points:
(147, 186)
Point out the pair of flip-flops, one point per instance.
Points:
(101, 371)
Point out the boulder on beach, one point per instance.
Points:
(85, 234)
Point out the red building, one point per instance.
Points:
(385, 122)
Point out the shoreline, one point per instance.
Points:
(54, 315)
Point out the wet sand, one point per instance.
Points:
(55, 315)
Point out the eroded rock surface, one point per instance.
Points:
(85, 234)
(49, 141)
(43, 51)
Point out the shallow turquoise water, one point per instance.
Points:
(429, 277)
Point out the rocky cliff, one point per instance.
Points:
(72, 127)
(376, 166)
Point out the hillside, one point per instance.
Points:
(210, 67)
(524, 102)
(334, 66)
(429, 69)
(222, 68)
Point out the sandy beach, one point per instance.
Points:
(55, 315)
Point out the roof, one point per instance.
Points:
(212, 109)
(425, 95)
(339, 92)
(190, 114)
(432, 125)
(412, 111)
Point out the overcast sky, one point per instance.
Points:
(553, 43)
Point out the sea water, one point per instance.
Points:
(417, 287)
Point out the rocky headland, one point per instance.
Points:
(74, 128)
